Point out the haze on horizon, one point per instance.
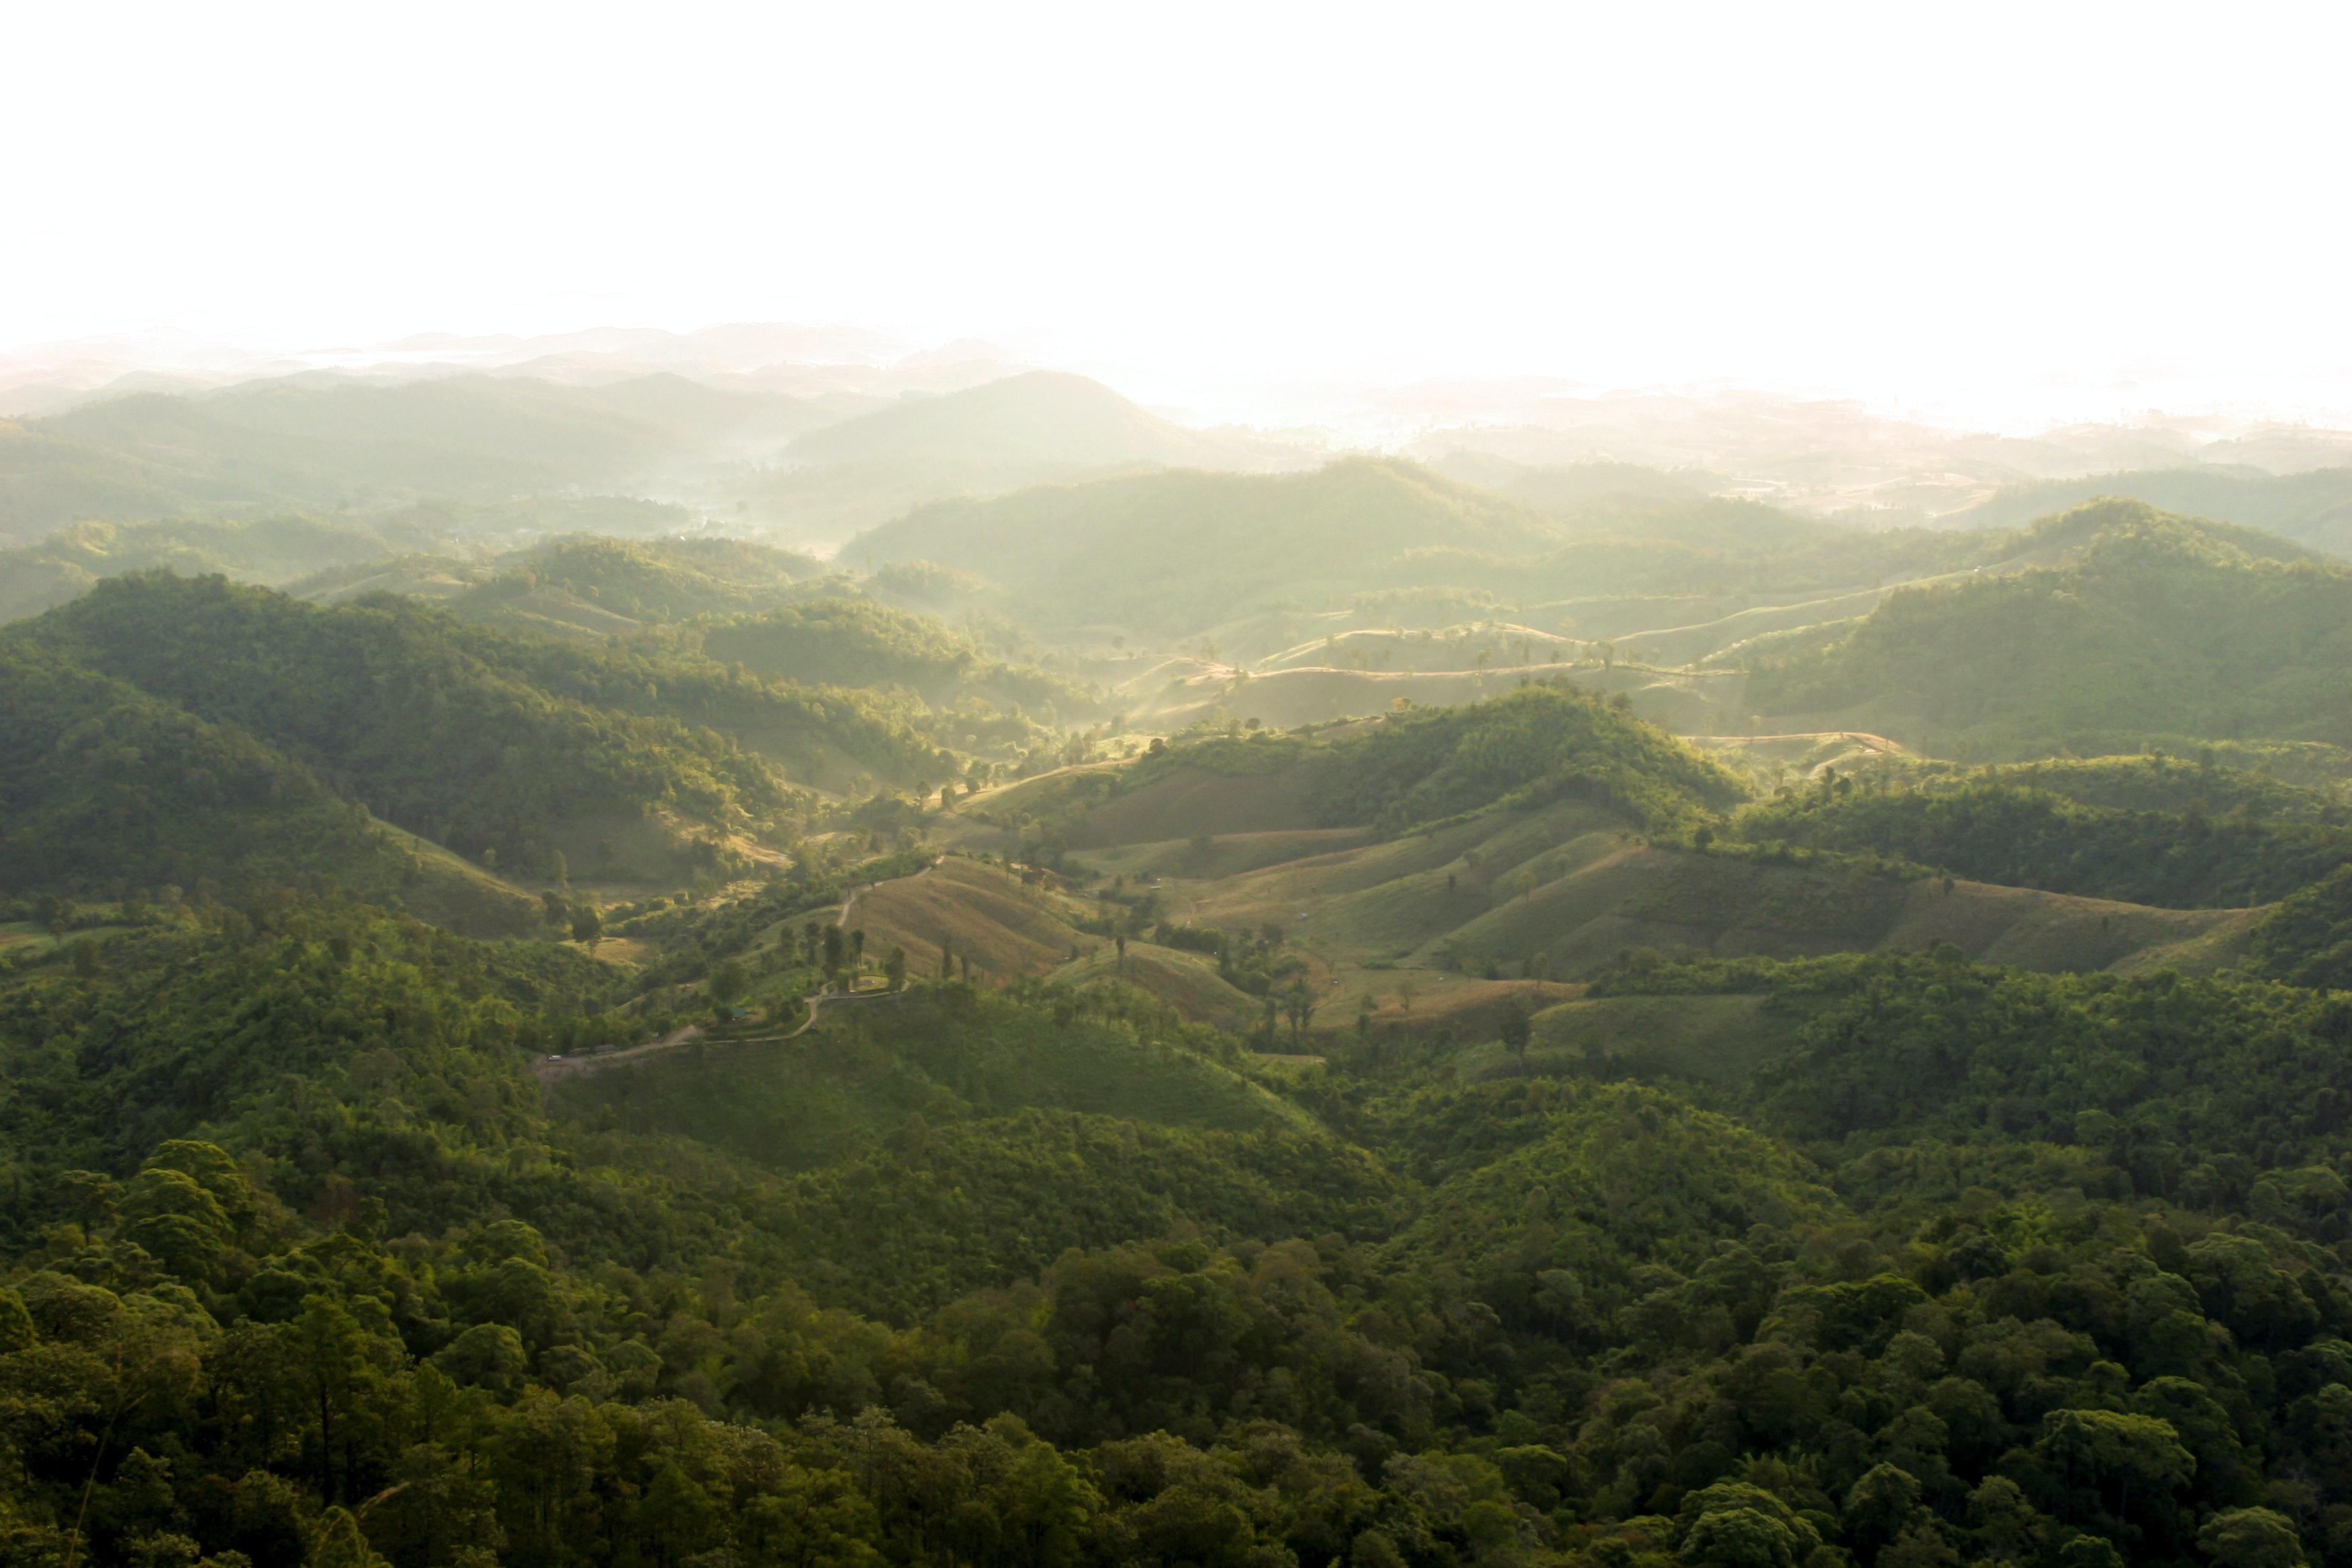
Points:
(2012, 218)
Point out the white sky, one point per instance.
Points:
(1927, 202)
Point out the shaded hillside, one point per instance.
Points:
(2158, 629)
(1566, 891)
(105, 789)
(822, 735)
(385, 700)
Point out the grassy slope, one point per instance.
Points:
(810, 1102)
(980, 911)
(1185, 981)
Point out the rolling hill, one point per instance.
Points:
(2312, 507)
(1431, 871)
(2158, 629)
(386, 700)
(839, 641)
(106, 791)
(592, 586)
(1038, 417)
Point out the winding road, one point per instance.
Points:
(548, 1069)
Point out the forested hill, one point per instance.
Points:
(380, 695)
(1425, 765)
(105, 789)
(2029, 837)
(509, 749)
(653, 580)
(2159, 628)
(846, 641)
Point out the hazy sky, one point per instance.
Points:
(1912, 199)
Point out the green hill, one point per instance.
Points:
(587, 586)
(1567, 1230)
(1571, 486)
(105, 789)
(827, 503)
(656, 580)
(2168, 783)
(386, 699)
(47, 480)
(1412, 768)
(2026, 838)
(799, 1104)
(980, 1204)
(2158, 629)
(1529, 746)
(2313, 508)
(840, 641)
